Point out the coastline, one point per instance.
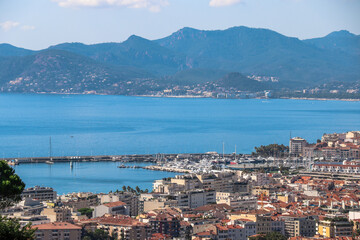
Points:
(188, 96)
(322, 99)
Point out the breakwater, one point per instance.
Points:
(151, 158)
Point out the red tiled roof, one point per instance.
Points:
(118, 220)
(210, 207)
(115, 204)
(57, 226)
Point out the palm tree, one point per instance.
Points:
(137, 189)
(124, 188)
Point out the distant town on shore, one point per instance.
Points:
(255, 63)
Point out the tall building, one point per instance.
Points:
(297, 146)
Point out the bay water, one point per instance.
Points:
(103, 125)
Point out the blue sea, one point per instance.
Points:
(98, 125)
(101, 125)
(94, 177)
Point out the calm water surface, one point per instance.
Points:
(90, 124)
(98, 125)
(87, 176)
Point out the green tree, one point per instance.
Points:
(86, 211)
(10, 228)
(269, 236)
(137, 189)
(271, 150)
(124, 188)
(11, 186)
(98, 234)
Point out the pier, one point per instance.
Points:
(152, 158)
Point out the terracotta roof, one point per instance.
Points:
(160, 236)
(213, 207)
(115, 204)
(57, 225)
(244, 220)
(118, 220)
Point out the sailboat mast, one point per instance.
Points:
(50, 153)
(223, 150)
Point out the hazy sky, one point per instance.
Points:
(37, 24)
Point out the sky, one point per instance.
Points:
(38, 24)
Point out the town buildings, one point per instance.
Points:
(317, 201)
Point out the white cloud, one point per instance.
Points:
(223, 3)
(27, 27)
(6, 26)
(151, 5)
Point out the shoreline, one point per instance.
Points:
(189, 96)
(322, 99)
(166, 169)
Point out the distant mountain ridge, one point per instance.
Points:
(188, 56)
(340, 40)
(135, 51)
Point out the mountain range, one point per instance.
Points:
(186, 57)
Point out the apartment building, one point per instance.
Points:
(125, 227)
(57, 214)
(304, 226)
(237, 200)
(334, 227)
(223, 181)
(166, 224)
(81, 202)
(196, 198)
(131, 200)
(39, 193)
(57, 231)
(297, 146)
(111, 208)
(265, 224)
